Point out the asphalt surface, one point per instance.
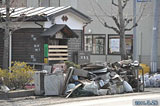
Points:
(117, 101)
(107, 100)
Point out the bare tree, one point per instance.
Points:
(120, 22)
(9, 29)
(6, 36)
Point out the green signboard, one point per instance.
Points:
(45, 50)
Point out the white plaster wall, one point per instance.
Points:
(73, 21)
(72, 3)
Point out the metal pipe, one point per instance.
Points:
(10, 49)
(143, 77)
(154, 48)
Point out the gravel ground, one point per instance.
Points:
(43, 101)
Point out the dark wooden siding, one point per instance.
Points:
(27, 45)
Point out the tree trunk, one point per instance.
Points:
(122, 31)
(6, 37)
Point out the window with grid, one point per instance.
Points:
(95, 43)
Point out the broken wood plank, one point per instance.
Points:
(68, 76)
(72, 90)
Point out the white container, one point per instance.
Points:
(53, 84)
(39, 82)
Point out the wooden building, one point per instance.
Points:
(61, 29)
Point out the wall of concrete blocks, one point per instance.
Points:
(74, 45)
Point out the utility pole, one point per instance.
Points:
(6, 36)
(135, 57)
(154, 49)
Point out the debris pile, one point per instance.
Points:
(94, 79)
(103, 79)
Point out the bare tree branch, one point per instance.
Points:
(103, 22)
(114, 3)
(127, 21)
(125, 3)
(116, 21)
(103, 10)
(136, 24)
(141, 13)
(128, 29)
(100, 20)
(111, 27)
(12, 11)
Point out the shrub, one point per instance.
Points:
(20, 75)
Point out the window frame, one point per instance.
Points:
(92, 37)
(130, 36)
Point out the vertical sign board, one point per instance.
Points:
(45, 53)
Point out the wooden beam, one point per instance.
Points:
(58, 58)
(58, 54)
(57, 46)
(57, 50)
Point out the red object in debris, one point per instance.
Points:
(30, 86)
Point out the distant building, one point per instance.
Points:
(45, 34)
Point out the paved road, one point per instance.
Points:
(117, 101)
(107, 100)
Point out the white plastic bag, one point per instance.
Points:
(157, 80)
(5, 89)
(127, 87)
(146, 80)
(152, 80)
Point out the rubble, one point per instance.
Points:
(96, 79)
(152, 80)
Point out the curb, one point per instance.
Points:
(16, 94)
(26, 93)
(69, 100)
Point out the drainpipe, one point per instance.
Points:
(83, 34)
(10, 49)
(154, 51)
